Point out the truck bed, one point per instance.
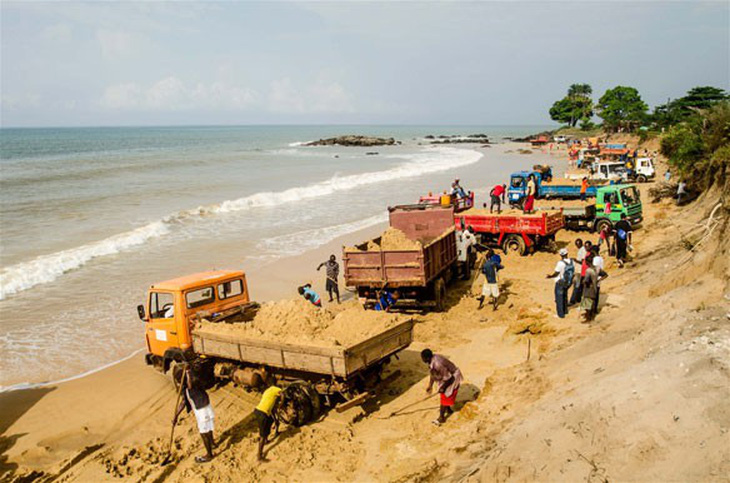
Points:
(544, 223)
(336, 361)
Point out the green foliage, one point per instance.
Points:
(587, 125)
(699, 148)
(575, 106)
(621, 108)
(696, 99)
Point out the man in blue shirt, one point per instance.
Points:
(386, 300)
(490, 288)
(309, 294)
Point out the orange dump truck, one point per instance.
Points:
(172, 333)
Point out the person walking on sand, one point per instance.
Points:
(531, 190)
(497, 197)
(265, 414)
(490, 288)
(310, 295)
(563, 276)
(623, 239)
(604, 237)
(196, 400)
(583, 188)
(681, 191)
(591, 287)
(332, 269)
(448, 377)
(577, 283)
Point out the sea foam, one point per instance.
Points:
(47, 268)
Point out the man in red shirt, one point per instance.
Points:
(497, 196)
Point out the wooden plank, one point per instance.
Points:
(359, 399)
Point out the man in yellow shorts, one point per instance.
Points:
(265, 415)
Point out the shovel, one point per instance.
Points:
(395, 413)
(177, 405)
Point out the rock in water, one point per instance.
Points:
(352, 140)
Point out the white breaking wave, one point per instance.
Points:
(299, 143)
(47, 268)
(302, 241)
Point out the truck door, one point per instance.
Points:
(161, 328)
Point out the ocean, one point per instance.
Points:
(90, 217)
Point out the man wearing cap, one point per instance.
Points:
(563, 276)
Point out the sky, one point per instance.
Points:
(480, 63)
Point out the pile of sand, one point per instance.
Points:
(300, 322)
(391, 239)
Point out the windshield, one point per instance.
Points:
(517, 182)
(630, 196)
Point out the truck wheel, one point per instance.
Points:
(439, 295)
(641, 179)
(514, 244)
(296, 407)
(601, 223)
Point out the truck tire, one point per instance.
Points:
(601, 223)
(297, 407)
(514, 244)
(641, 178)
(439, 295)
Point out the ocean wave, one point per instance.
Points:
(302, 241)
(48, 268)
(299, 143)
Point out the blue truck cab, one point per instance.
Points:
(517, 191)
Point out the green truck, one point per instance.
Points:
(611, 200)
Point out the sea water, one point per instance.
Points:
(90, 217)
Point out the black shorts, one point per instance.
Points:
(331, 285)
(265, 421)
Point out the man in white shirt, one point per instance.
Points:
(563, 276)
(464, 241)
(578, 280)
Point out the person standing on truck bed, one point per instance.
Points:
(333, 271)
(623, 239)
(310, 295)
(497, 197)
(583, 188)
(563, 276)
(491, 286)
(196, 400)
(448, 376)
(265, 414)
(531, 190)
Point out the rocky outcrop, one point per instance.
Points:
(459, 139)
(352, 140)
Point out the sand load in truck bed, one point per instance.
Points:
(391, 239)
(300, 322)
(557, 204)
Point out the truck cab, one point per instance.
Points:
(171, 306)
(644, 170)
(623, 198)
(517, 190)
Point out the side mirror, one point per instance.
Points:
(140, 312)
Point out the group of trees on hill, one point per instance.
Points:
(623, 109)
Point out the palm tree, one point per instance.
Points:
(580, 90)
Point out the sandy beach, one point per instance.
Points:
(544, 398)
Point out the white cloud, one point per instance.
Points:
(60, 32)
(116, 44)
(320, 97)
(172, 94)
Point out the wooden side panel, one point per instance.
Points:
(375, 349)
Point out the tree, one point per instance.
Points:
(621, 108)
(696, 99)
(574, 107)
(699, 148)
(580, 90)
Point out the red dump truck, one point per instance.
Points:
(420, 274)
(512, 230)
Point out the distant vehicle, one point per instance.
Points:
(601, 171)
(644, 170)
(560, 139)
(539, 140)
(624, 198)
(560, 188)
